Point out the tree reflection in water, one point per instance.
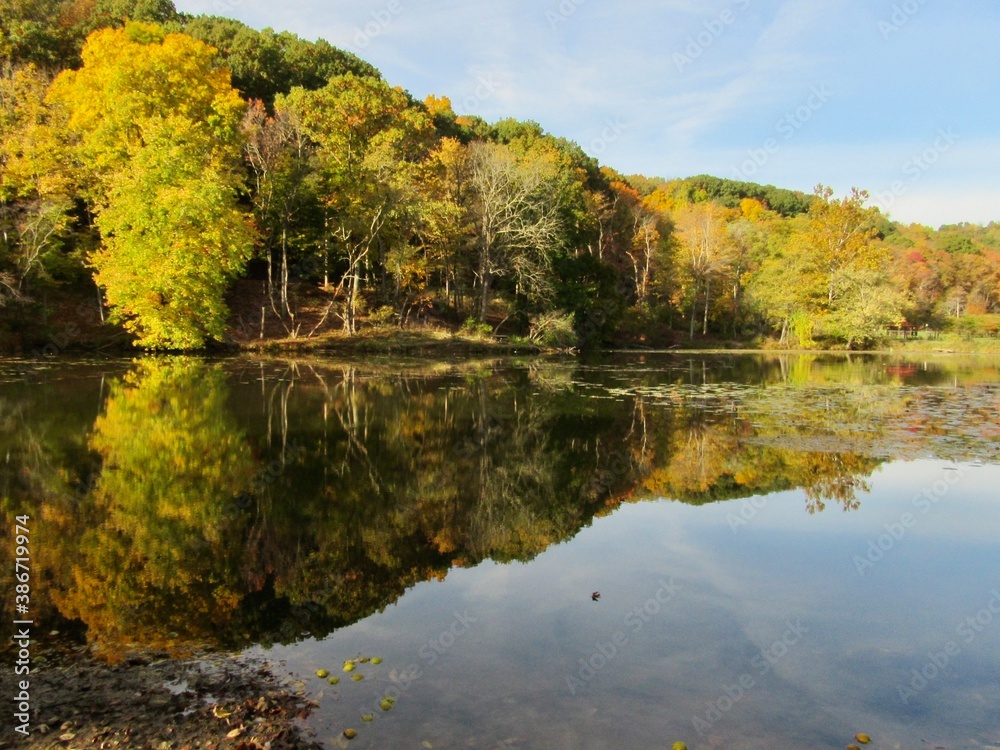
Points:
(219, 505)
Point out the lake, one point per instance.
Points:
(733, 551)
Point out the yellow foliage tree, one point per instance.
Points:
(158, 128)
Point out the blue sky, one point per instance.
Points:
(899, 97)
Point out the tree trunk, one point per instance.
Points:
(486, 279)
(350, 314)
(270, 275)
(694, 310)
(484, 298)
(708, 295)
(284, 271)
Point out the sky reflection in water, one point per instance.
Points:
(778, 542)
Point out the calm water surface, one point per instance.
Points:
(787, 550)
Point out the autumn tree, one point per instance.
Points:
(279, 155)
(368, 138)
(704, 249)
(517, 227)
(158, 128)
(841, 235)
(868, 303)
(444, 231)
(37, 178)
(634, 237)
(848, 267)
(779, 287)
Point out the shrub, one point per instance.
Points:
(382, 317)
(554, 330)
(477, 328)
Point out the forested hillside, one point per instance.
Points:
(160, 170)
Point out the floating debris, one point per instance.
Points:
(368, 718)
(334, 680)
(321, 673)
(350, 733)
(387, 703)
(377, 660)
(357, 677)
(349, 666)
(864, 739)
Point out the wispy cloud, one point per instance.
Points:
(601, 62)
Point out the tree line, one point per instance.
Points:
(162, 157)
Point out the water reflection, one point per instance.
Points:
(182, 503)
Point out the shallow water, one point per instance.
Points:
(788, 550)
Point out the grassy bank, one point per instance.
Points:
(391, 340)
(948, 344)
(72, 322)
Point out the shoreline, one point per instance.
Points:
(154, 700)
(435, 342)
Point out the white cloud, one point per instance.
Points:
(601, 64)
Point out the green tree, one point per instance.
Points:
(31, 32)
(120, 12)
(266, 63)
